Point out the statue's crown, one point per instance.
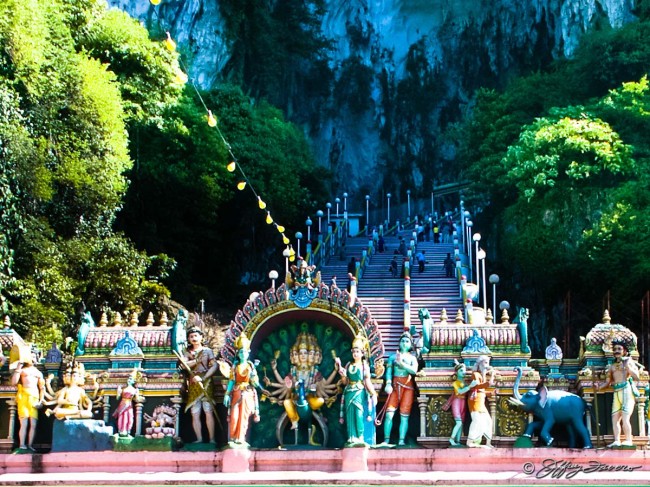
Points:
(360, 341)
(243, 342)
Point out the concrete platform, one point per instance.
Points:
(460, 466)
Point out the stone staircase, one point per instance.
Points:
(384, 294)
(431, 289)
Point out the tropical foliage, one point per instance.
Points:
(64, 157)
(110, 174)
(559, 175)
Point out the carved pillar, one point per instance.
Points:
(106, 408)
(640, 409)
(353, 290)
(139, 407)
(423, 401)
(176, 401)
(589, 399)
(407, 297)
(12, 418)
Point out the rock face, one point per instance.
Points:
(425, 59)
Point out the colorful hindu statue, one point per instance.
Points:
(458, 401)
(200, 364)
(400, 387)
(302, 275)
(71, 402)
(621, 375)
(304, 389)
(359, 397)
(241, 395)
(30, 389)
(124, 411)
(481, 425)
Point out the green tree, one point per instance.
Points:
(560, 166)
(148, 73)
(64, 158)
(183, 201)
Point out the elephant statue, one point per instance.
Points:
(550, 408)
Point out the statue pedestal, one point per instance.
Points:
(81, 435)
(355, 459)
(524, 442)
(235, 460)
(140, 443)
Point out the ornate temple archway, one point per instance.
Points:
(297, 334)
(330, 306)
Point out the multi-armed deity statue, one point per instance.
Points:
(303, 390)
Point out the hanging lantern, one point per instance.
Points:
(285, 240)
(241, 185)
(231, 167)
(212, 120)
(180, 78)
(169, 43)
(261, 203)
(155, 2)
(280, 229)
(269, 220)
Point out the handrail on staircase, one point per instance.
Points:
(326, 248)
(366, 256)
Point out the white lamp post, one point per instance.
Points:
(494, 280)
(273, 275)
(408, 203)
(337, 200)
(298, 237)
(464, 220)
(468, 239)
(345, 205)
(481, 256)
(286, 254)
(367, 214)
(329, 207)
(477, 238)
(388, 219)
(319, 214)
(308, 222)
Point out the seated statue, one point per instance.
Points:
(304, 390)
(70, 402)
(302, 275)
(161, 422)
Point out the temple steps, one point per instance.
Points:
(384, 294)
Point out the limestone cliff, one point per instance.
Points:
(424, 58)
